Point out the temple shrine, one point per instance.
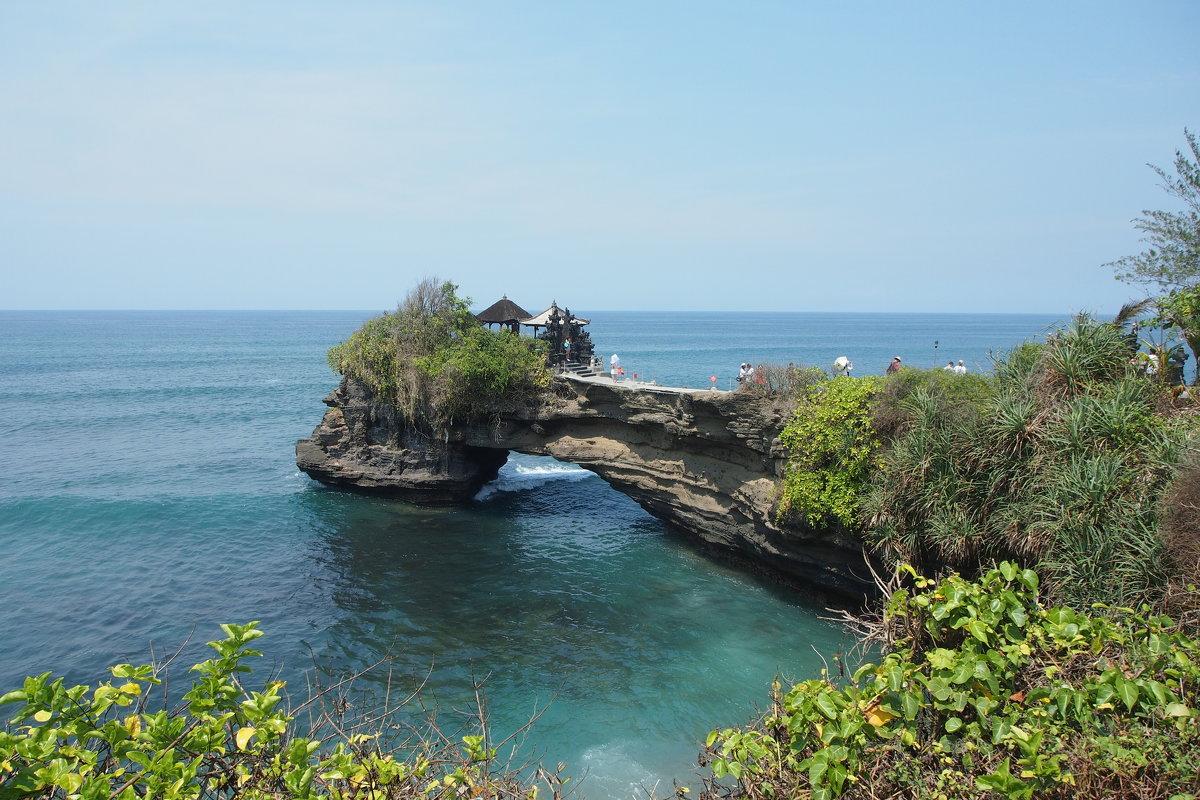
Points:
(566, 344)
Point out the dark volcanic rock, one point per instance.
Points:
(368, 447)
(707, 463)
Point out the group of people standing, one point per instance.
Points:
(841, 366)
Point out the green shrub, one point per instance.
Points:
(832, 450)
(434, 362)
(369, 356)
(961, 396)
(987, 692)
(223, 740)
(481, 371)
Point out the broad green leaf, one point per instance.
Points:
(1177, 710)
(1128, 692)
(826, 706)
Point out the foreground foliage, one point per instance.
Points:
(985, 692)
(225, 741)
(434, 362)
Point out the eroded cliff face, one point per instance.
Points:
(366, 446)
(707, 463)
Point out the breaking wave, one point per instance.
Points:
(530, 473)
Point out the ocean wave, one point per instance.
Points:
(612, 769)
(519, 477)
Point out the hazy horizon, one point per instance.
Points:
(477, 309)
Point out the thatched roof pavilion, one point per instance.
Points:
(503, 312)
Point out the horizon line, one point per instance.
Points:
(582, 310)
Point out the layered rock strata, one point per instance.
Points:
(707, 463)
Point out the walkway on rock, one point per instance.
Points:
(635, 385)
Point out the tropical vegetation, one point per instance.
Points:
(1060, 460)
(833, 451)
(984, 691)
(126, 739)
(1076, 462)
(1062, 468)
(433, 362)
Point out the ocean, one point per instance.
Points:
(148, 492)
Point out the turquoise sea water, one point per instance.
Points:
(148, 490)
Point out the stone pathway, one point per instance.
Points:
(641, 386)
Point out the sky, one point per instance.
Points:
(654, 155)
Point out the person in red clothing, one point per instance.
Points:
(894, 366)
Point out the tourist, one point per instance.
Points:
(745, 373)
(614, 366)
(961, 369)
(894, 366)
(1148, 363)
(842, 366)
(949, 366)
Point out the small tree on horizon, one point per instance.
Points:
(1172, 260)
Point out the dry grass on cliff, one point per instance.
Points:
(788, 381)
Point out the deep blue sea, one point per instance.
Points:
(148, 492)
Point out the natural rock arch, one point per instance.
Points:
(707, 463)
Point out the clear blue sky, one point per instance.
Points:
(662, 154)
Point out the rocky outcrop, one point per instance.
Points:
(708, 463)
(367, 446)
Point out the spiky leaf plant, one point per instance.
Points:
(1062, 469)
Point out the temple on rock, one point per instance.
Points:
(567, 344)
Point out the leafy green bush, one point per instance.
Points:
(987, 692)
(840, 427)
(369, 356)
(832, 450)
(224, 741)
(434, 362)
(481, 371)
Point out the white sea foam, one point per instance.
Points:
(613, 771)
(517, 477)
